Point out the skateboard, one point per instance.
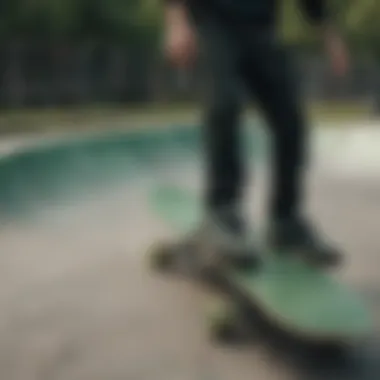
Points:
(292, 295)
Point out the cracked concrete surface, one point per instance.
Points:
(78, 302)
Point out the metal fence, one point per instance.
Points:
(46, 75)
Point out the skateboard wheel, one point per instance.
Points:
(335, 350)
(209, 275)
(162, 257)
(224, 333)
(223, 323)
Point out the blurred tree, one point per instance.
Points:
(294, 24)
(119, 20)
(358, 20)
(362, 23)
(136, 21)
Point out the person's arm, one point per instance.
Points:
(176, 12)
(180, 37)
(318, 14)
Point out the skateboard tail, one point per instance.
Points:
(305, 306)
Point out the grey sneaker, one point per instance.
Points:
(223, 238)
(296, 235)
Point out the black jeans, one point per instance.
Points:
(238, 56)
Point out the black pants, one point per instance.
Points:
(238, 56)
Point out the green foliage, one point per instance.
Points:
(139, 20)
(357, 19)
(362, 23)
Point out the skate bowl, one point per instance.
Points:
(77, 298)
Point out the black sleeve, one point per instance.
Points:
(316, 11)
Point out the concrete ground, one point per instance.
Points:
(78, 302)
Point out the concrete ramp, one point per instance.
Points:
(77, 300)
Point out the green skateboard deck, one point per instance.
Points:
(296, 297)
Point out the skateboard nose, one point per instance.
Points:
(345, 319)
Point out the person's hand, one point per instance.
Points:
(337, 52)
(180, 43)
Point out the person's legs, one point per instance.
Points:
(223, 106)
(270, 78)
(220, 55)
(224, 225)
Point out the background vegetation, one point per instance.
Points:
(54, 52)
